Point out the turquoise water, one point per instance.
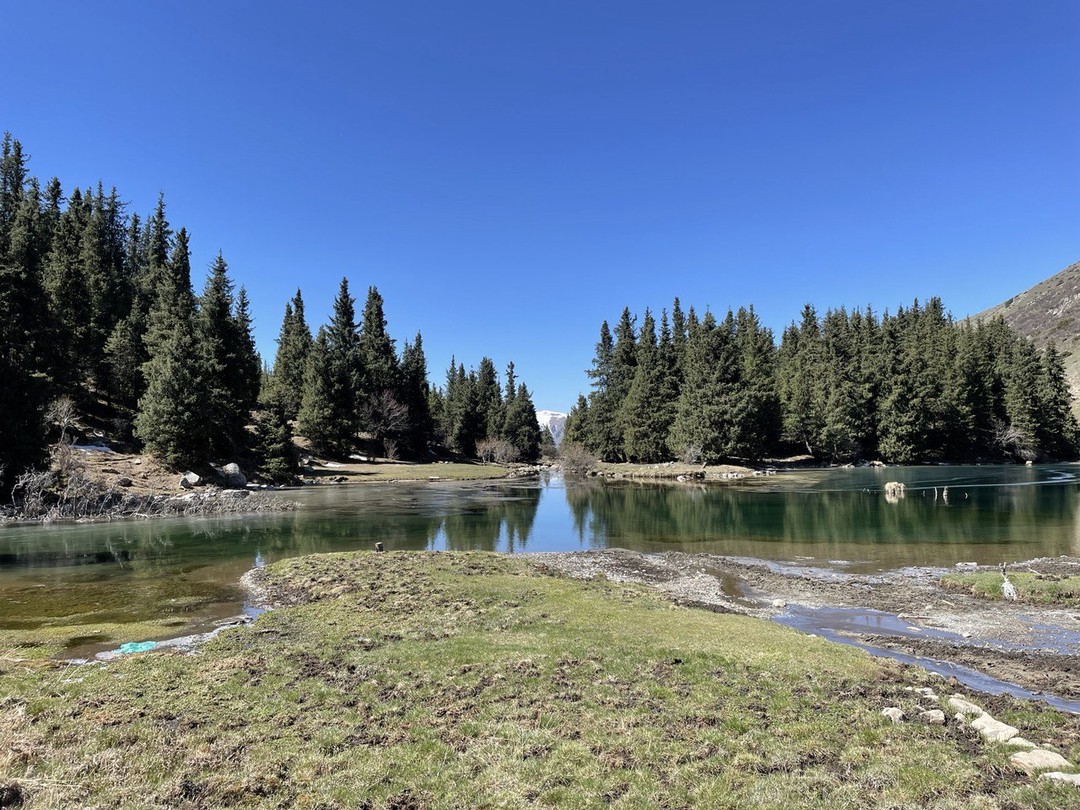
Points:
(132, 571)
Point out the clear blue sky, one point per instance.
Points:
(509, 174)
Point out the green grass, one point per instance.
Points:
(1038, 588)
(427, 680)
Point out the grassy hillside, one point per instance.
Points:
(1049, 312)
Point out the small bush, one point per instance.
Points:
(575, 459)
(499, 451)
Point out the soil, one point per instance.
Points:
(1033, 646)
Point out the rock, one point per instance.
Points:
(109, 471)
(961, 706)
(935, 717)
(893, 714)
(235, 494)
(1067, 778)
(124, 481)
(959, 718)
(191, 480)
(233, 476)
(779, 603)
(993, 730)
(137, 462)
(1020, 742)
(1031, 762)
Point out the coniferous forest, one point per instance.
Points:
(97, 306)
(909, 387)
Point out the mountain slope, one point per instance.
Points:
(555, 421)
(1049, 313)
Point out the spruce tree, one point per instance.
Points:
(643, 415)
(321, 419)
(755, 410)
(522, 429)
(294, 344)
(577, 424)
(702, 428)
(249, 367)
(23, 391)
(174, 412)
(1058, 429)
(604, 436)
(489, 400)
(415, 397)
(173, 417)
(277, 454)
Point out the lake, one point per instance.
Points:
(132, 571)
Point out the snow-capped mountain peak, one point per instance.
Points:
(555, 421)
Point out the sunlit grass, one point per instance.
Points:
(473, 680)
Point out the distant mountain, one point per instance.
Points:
(555, 421)
(1049, 313)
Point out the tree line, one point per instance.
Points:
(910, 387)
(98, 305)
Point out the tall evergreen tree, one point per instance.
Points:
(702, 429)
(414, 396)
(321, 419)
(643, 414)
(522, 429)
(576, 431)
(489, 399)
(294, 344)
(604, 436)
(22, 385)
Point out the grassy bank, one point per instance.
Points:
(391, 471)
(471, 680)
(1036, 588)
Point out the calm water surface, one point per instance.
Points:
(119, 572)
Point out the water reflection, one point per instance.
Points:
(134, 570)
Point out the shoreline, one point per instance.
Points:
(905, 613)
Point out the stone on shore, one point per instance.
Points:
(191, 480)
(935, 717)
(1067, 778)
(993, 730)
(1031, 762)
(893, 713)
(966, 707)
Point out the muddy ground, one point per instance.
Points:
(1033, 646)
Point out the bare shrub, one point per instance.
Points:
(1013, 441)
(61, 412)
(33, 492)
(387, 420)
(691, 454)
(575, 459)
(499, 451)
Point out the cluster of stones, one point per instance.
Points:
(1031, 759)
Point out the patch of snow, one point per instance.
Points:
(94, 448)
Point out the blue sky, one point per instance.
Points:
(510, 174)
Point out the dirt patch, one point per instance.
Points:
(908, 610)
